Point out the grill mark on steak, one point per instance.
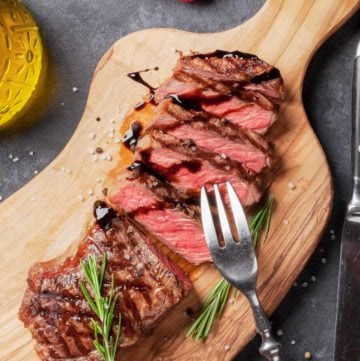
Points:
(56, 312)
(221, 89)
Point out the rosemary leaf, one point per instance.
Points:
(103, 307)
(216, 301)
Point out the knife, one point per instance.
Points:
(347, 343)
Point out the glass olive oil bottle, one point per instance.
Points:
(21, 60)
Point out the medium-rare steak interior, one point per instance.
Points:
(147, 282)
(163, 211)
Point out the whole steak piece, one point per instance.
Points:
(147, 282)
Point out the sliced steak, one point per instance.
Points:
(240, 87)
(223, 73)
(170, 219)
(214, 134)
(188, 167)
(147, 282)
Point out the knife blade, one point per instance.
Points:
(347, 342)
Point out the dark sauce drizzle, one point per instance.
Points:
(134, 166)
(136, 76)
(225, 54)
(103, 214)
(193, 165)
(189, 104)
(132, 135)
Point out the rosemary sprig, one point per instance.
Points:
(103, 307)
(216, 300)
(259, 222)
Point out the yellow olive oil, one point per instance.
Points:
(21, 59)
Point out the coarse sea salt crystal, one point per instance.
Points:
(291, 185)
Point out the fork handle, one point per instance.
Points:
(269, 348)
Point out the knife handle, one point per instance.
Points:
(356, 130)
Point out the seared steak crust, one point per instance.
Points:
(148, 285)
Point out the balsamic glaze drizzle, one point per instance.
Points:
(103, 214)
(225, 54)
(134, 165)
(132, 135)
(185, 103)
(136, 76)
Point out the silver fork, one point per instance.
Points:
(236, 260)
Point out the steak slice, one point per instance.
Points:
(240, 87)
(147, 282)
(220, 74)
(246, 114)
(165, 215)
(188, 167)
(214, 134)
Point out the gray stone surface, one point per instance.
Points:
(78, 32)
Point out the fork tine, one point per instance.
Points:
(208, 222)
(224, 222)
(239, 215)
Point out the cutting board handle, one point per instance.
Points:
(299, 27)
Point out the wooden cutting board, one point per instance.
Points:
(47, 216)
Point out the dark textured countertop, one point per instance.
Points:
(78, 32)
